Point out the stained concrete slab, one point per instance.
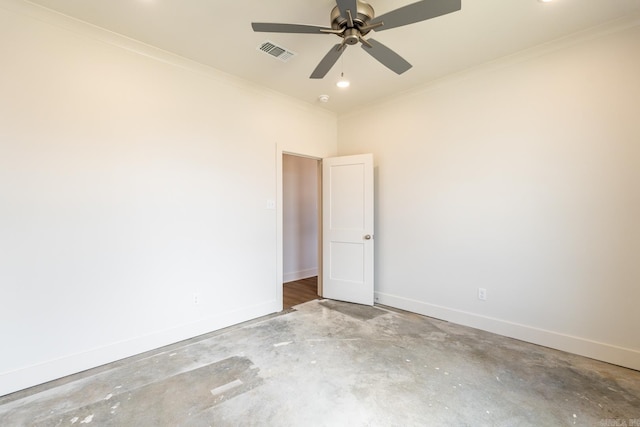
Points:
(328, 363)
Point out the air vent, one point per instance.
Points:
(276, 51)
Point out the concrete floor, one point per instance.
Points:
(336, 364)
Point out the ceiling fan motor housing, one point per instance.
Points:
(364, 15)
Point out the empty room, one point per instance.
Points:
(470, 210)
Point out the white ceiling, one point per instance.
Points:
(218, 33)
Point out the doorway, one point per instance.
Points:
(300, 228)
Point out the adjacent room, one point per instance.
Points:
(165, 167)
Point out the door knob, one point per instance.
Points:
(367, 237)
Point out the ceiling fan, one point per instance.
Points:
(353, 19)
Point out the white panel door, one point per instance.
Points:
(347, 220)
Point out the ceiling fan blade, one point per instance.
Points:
(416, 12)
(345, 5)
(328, 61)
(266, 27)
(386, 56)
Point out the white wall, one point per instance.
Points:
(300, 217)
(521, 177)
(130, 180)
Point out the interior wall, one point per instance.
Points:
(520, 177)
(134, 190)
(300, 217)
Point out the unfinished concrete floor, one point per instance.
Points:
(336, 364)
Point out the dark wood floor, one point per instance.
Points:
(300, 291)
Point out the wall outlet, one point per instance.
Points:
(482, 294)
(196, 299)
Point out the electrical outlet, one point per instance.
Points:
(196, 299)
(482, 294)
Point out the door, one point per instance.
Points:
(347, 220)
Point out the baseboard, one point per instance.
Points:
(626, 357)
(30, 376)
(298, 275)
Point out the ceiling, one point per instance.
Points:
(218, 33)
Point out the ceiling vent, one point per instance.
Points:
(276, 51)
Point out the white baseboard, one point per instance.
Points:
(298, 275)
(626, 357)
(53, 369)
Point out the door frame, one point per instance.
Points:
(280, 218)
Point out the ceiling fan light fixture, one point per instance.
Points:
(343, 83)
